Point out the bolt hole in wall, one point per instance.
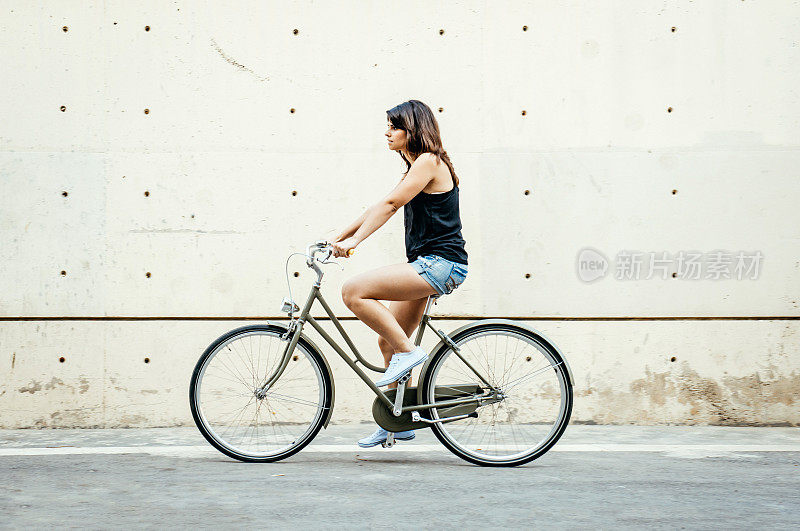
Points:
(673, 359)
(527, 275)
(63, 108)
(294, 193)
(147, 193)
(147, 274)
(147, 360)
(146, 28)
(62, 359)
(64, 193)
(63, 273)
(669, 109)
(296, 274)
(674, 192)
(147, 111)
(527, 192)
(291, 110)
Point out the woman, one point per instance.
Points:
(437, 260)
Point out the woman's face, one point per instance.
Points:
(396, 138)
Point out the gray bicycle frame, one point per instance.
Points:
(296, 328)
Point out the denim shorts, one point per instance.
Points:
(442, 274)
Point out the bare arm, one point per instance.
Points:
(376, 216)
(418, 177)
(352, 228)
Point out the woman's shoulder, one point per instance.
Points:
(427, 158)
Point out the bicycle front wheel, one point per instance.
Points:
(251, 426)
(528, 415)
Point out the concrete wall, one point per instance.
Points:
(129, 234)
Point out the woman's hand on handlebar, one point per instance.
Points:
(345, 247)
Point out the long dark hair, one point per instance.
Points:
(422, 132)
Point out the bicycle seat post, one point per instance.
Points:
(432, 299)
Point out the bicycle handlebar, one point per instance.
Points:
(321, 246)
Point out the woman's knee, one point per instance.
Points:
(349, 292)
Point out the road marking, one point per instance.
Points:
(205, 450)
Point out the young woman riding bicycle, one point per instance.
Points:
(437, 258)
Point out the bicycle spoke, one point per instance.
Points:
(295, 400)
(522, 379)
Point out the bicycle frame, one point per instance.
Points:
(296, 328)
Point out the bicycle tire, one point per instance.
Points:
(313, 356)
(460, 338)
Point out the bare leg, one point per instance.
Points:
(397, 282)
(408, 315)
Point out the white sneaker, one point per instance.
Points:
(401, 363)
(381, 435)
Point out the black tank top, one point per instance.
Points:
(433, 226)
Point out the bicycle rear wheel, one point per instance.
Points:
(514, 428)
(240, 423)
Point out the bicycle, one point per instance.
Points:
(494, 392)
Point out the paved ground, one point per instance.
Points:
(596, 476)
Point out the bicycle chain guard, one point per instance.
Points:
(385, 418)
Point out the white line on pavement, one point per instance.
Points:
(200, 451)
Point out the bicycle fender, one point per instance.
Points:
(471, 324)
(308, 343)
